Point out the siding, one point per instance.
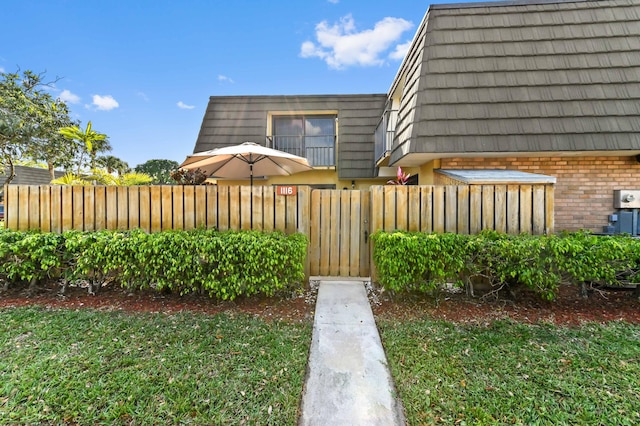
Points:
(231, 120)
(524, 77)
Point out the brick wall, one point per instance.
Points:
(584, 186)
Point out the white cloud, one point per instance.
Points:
(182, 105)
(104, 103)
(334, 1)
(143, 96)
(1, 69)
(225, 78)
(68, 97)
(400, 51)
(340, 45)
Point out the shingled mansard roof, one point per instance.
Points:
(231, 120)
(543, 77)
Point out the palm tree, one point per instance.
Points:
(113, 164)
(93, 141)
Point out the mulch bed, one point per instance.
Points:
(603, 305)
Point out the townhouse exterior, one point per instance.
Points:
(544, 87)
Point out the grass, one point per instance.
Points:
(509, 373)
(93, 367)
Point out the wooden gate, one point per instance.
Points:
(339, 233)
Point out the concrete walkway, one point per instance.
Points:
(348, 381)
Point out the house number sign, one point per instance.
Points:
(286, 190)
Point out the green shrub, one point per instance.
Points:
(416, 261)
(30, 256)
(222, 264)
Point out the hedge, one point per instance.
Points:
(223, 265)
(407, 261)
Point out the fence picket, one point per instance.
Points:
(89, 211)
(438, 209)
(500, 208)
(355, 232)
(314, 238)
(451, 208)
(166, 208)
(177, 200)
(45, 208)
(344, 238)
(56, 209)
(475, 209)
(513, 207)
(334, 226)
(155, 205)
(133, 200)
(325, 232)
(488, 207)
(144, 200)
(389, 208)
(413, 205)
(549, 202)
(200, 206)
(426, 209)
(189, 201)
(67, 208)
(34, 201)
(525, 208)
(462, 205)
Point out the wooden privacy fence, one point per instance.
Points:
(59, 208)
(337, 222)
(464, 209)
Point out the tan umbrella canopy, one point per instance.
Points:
(245, 161)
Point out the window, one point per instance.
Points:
(312, 137)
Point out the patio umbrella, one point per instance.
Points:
(245, 160)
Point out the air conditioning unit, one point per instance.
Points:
(626, 199)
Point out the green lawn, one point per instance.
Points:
(98, 367)
(91, 367)
(509, 373)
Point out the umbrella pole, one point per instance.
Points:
(251, 181)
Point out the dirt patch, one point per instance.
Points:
(569, 309)
(292, 308)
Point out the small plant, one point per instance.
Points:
(189, 177)
(401, 178)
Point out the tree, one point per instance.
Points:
(113, 164)
(54, 149)
(29, 119)
(159, 170)
(92, 141)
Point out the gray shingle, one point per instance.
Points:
(522, 77)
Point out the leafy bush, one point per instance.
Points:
(30, 256)
(222, 264)
(416, 261)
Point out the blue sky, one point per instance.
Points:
(142, 71)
